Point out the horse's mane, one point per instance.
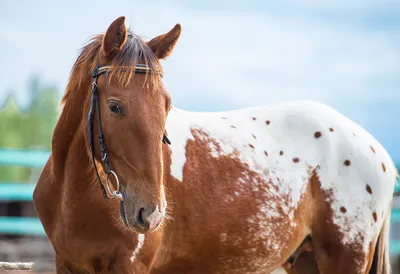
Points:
(135, 50)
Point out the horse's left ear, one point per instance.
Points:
(162, 45)
(114, 38)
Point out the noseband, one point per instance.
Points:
(94, 106)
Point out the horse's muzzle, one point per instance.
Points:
(143, 218)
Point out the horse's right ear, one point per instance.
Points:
(162, 45)
(114, 38)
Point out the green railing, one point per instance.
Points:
(24, 158)
(21, 191)
(11, 192)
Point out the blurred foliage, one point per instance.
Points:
(29, 128)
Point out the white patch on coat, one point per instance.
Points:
(138, 246)
(291, 129)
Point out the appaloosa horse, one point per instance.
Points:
(226, 192)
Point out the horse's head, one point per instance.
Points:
(128, 93)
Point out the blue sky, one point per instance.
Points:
(232, 54)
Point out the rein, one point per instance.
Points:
(94, 106)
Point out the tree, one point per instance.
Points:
(29, 128)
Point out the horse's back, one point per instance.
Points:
(286, 141)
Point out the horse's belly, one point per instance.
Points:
(251, 246)
(229, 261)
(254, 253)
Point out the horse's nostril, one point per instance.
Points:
(142, 221)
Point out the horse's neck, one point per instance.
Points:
(84, 209)
(67, 127)
(69, 153)
(174, 156)
(78, 163)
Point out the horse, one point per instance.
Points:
(136, 185)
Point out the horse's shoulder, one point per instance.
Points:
(45, 197)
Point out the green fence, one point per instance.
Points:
(22, 191)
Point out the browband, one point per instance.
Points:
(139, 68)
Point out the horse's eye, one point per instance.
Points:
(113, 106)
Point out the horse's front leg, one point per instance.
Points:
(122, 265)
(65, 267)
(125, 265)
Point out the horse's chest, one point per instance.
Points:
(91, 254)
(82, 235)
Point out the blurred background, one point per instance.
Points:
(231, 54)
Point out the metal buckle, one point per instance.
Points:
(95, 87)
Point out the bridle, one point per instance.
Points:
(94, 106)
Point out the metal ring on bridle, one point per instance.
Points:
(116, 192)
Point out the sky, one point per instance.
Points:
(231, 54)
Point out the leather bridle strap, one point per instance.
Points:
(94, 106)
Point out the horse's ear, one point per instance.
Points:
(162, 45)
(114, 38)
